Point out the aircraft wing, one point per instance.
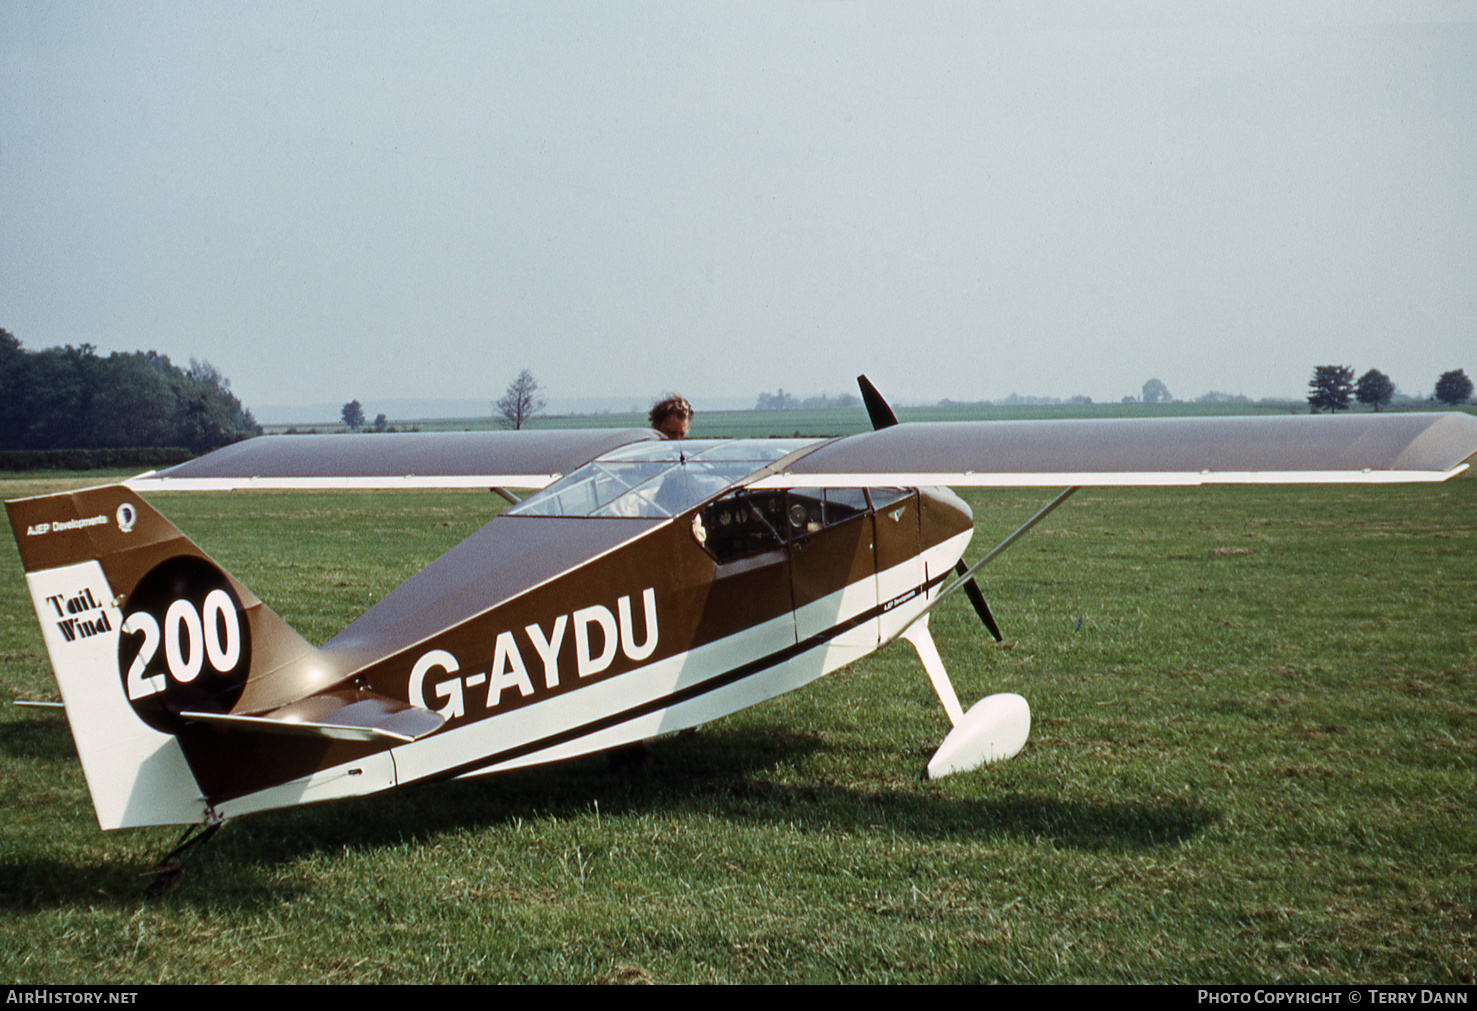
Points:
(399, 460)
(1362, 448)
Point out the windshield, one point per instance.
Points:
(656, 479)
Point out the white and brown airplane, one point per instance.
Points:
(650, 586)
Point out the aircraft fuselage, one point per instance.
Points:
(672, 627)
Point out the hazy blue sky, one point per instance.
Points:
(963, 200)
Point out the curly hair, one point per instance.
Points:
(667, 406)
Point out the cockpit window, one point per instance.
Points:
(812, 509)
(742, 524)
(675, 489)
(745, 522)
(656, 479)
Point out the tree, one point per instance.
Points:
(381, 422)
(520, 403)
(353, 415)
(133, 405)
(1454, 388)
(13, 380)
(60, 383)
(211, 416)
(70, 398)
(1374, 389)
(1156, 392)
(1330, 388)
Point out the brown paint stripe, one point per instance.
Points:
(686, 694)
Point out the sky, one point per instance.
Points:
(963, 200)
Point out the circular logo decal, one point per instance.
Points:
(185, 643)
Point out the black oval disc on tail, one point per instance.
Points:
(185, 643)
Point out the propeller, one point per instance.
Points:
(882, 416)
(977, 598)
(877, 408)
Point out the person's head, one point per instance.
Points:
(671, 416)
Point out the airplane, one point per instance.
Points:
(647, 587)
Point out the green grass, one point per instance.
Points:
(817, 423)
(1253, 759)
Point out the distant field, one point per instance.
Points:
(1253, 760)
(766, 424)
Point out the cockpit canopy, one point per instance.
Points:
(655, 480)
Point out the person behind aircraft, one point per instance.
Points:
(671, 416)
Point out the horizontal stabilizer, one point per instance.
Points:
(338, 716)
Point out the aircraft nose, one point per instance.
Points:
(943, 515)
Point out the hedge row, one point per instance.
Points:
(116, 457)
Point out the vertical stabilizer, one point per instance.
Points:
(141, 626)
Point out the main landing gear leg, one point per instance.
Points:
(994, 729)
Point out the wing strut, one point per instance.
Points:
(967, 575)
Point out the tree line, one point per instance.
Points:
(1333, 386)
(782, 401)
(73, 398)
(352, 416)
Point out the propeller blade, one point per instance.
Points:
(883, 417)
(972, 591)
(877, 409)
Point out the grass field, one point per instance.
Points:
(1253, 759)
(839, 421)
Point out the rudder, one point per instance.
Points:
(140, 626)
